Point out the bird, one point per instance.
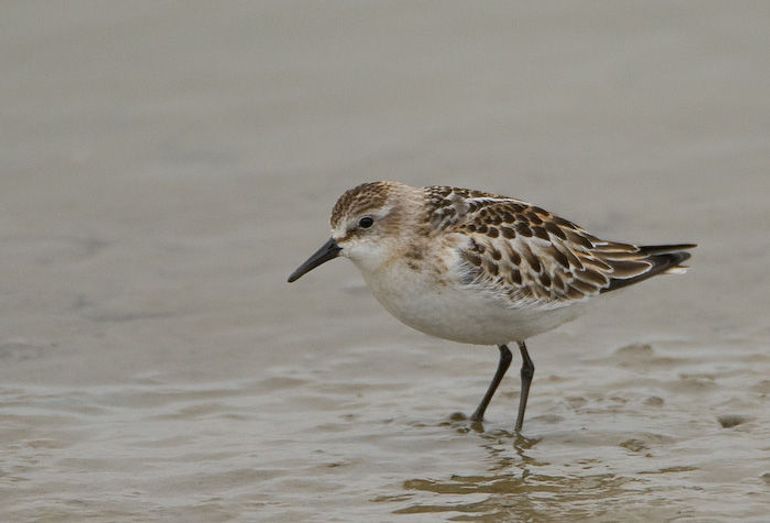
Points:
(480, 268)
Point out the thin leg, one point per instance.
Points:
(502, 367)
(527, 372)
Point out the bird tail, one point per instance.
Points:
(667, 259)
(635, 264)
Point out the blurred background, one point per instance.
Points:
(164, 167)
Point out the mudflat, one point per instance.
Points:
(165, 166)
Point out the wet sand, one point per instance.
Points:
(165, 166)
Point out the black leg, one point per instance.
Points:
(502, 367)
(527, 371)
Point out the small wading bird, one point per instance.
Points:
(480, 268)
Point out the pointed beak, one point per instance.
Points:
(328, 251)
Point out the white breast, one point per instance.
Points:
(436, 306)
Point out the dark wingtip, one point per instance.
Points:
(651, 250)
(663, 258)
(679, 257)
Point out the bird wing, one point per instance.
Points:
(533, 258)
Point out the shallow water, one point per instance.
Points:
(165, 167)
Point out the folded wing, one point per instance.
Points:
(532, 257)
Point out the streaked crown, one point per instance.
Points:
(360, 199)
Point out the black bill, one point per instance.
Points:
(328, 251)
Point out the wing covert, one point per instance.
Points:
(532, 257)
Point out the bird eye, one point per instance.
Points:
(366, 222)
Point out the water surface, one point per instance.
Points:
(165, 166)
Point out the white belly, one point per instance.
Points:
(457, 312)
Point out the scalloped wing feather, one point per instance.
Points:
(532, 257)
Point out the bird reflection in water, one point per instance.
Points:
(517, 487)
